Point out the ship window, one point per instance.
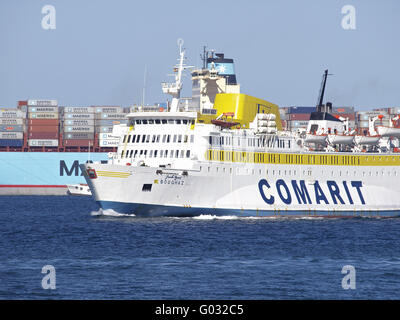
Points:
(136, 152)
(187, 153)
(130, 154)
(174, 138)
(145, 153)
(158, 138)
(176, 153)
(166, 154)
(144, 121)
(210, 140)
(148, 138)
(182, 153)
(133, 138)
(151, 121)
(155, 153)
(124, 138)
(178, 121)
(164, 137)
(168, 138)
(184, 121)
(143, 138)
(157, 121)
(153, 139)
(161, 153)
(179, 138)
(164, 121)
(138, 138)
(185, 139)
(147, 187)
(138, 121)
(171, 121)
(151, 154)
(141, 152)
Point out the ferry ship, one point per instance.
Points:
(227, 154)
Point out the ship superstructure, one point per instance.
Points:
(226, 154)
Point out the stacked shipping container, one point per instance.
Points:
(43, 123)
(12, 127)
(78, 127)
(105, 118)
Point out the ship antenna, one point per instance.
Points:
(322, 90)
(204, 57)
(144, 84)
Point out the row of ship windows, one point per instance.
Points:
(131, 154)
(305, 172)
(249, 142)
(259, 157)
(166, 138)
(164, 121)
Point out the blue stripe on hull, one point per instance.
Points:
(149, 210)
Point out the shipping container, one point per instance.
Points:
(79, 135)
(343, 110)
(43, 128)
(77, 143)
(12, 128)
(43, 115)
(79, 122)
(42, 103)
(22, 103)
(107, 123)
(43, 135)
(43, 122)
(108, 143)
(105, 136)
(11, 135)
(11, 143)
(79, 109)
(43, 109)
(79, 129)
(78, 116)
(109, 109)
(299, 116)
(108, 129)
(117, 116)
(16, 114)
(43, 143)
(394, 110)
(350, 116)
(301, 109)
(11, 121)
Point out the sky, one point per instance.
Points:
(99, 49)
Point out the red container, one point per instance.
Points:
(299, 116)
(43, 135)
(77, 143)
(43, 122)
(22, 103)
(43, 129)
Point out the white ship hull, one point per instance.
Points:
(249, 191)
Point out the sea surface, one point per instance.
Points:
(106, 255)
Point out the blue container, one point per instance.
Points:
(301, 109)
(11, 143)
(12, 128)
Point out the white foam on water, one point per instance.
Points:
(110, 213)
(212, 217)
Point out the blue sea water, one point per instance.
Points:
(103, 255)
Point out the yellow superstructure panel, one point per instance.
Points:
(244, 107)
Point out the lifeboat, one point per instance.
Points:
(340, 139)
(388, 131)
(315, 138)
(366, 140)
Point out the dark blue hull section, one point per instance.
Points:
(149, 210)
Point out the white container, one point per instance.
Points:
(43, 103)
(7, 113)
(108, 136)
(79, 109)
(12, 121)
(42, 109)
(108, 143)
(78, 129)
(109, 109)
(43, 143)
(79, 122)
(12, 135)
(78, 116)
